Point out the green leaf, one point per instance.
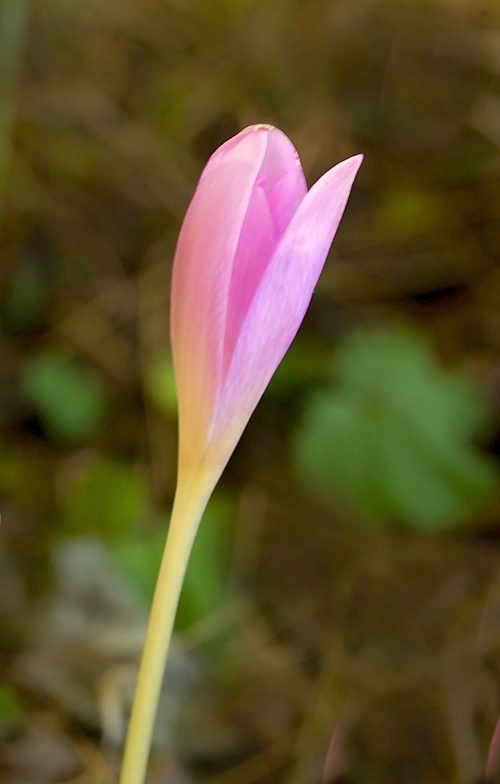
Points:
(106, 497)
(205, 586)
(10, 707)
(139, 559)
(393, 435)
(70, 400)
(160, 384)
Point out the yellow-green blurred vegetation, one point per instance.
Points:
(341, 615)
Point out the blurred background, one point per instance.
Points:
(340, 619)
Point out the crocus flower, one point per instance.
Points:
(250, 251)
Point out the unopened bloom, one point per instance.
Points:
(250, 251)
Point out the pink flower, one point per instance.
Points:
(250, 251)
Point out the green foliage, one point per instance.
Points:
(139, 556)
(160, 384)
(70, 400)
(205, 585)
(392, 434)
(106, 498)
(10, 708)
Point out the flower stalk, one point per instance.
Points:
(190, 501)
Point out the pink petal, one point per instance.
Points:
(201, 279)
(281, 164)
(255, 248)
(232, 149)
(282, 299)
(278, 191)
(282, 178)
(285, 197)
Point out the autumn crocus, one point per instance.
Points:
(250, 251)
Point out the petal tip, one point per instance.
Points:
(345, 171)
(354, 162)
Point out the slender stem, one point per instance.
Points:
(190, 502)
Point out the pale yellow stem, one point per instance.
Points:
(189, 504)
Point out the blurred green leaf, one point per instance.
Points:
(70, 400)
(160, 384)
(139, 558)
(205, 587)
(393, 434)
(106, 498)
(10, 707)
